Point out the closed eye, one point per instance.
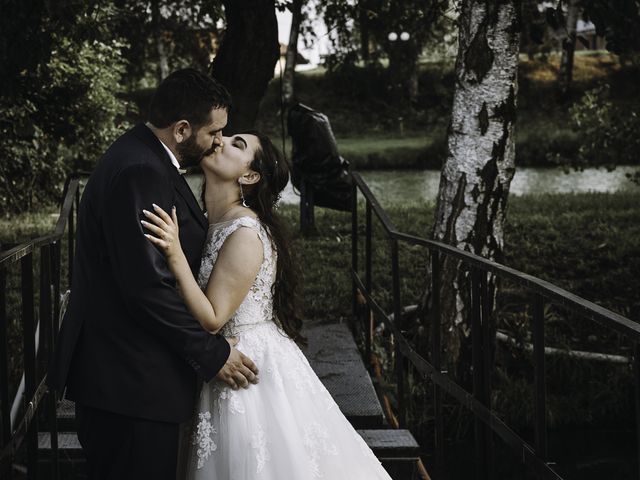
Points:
(239, 142)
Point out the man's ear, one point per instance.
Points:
(181, 131)
(250, 178)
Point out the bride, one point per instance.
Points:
(288, 426)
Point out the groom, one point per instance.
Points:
(129, 352)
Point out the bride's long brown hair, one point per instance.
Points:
(262, 198)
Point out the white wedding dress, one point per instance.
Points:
(287, 427)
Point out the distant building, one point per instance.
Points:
(586, 32)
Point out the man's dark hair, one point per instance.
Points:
(187, 95)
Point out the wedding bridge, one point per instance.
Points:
(37, 438)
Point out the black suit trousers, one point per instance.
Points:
(118, 447)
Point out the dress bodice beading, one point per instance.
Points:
(257, 306)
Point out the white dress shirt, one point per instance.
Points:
(173, 158)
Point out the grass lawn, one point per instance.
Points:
(586, 243)
(365, 120)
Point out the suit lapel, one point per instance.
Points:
(185, 192)
(180, 184)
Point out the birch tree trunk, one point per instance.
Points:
(247, 58)
(477, 173)
(288, 81)
(565, 73)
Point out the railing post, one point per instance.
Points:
(28, 337)
(47, 332)
(636, 374)
(488, 339)
(436, 360)
(354, 245)
(5, 406)
(368, 320)
(70, 240)
(539, 377)
(56, 266)
(397, 318)
(45, 309)
(480, 435)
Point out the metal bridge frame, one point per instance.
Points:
(38, 402)
(487, 423)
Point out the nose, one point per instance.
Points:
(218, 139)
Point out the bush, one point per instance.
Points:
(60, 115)
(608, 130)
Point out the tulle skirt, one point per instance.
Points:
(286, 427)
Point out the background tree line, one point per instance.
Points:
(90, 68)
(74, 74)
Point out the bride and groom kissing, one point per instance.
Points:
(180, 345)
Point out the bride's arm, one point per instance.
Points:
(233, 274)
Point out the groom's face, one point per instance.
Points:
(204, 140)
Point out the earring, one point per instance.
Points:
(244, 203)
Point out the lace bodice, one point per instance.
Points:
(287, 426)
(257, 306)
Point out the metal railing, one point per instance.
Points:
(38, 402)
(487, 423)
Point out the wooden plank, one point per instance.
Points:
(391, 443)
(335, 358)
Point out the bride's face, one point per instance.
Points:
(232, 161)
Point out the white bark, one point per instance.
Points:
(477, 172)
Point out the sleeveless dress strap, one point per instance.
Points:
(252, 223)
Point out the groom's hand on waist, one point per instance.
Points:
(239, 370)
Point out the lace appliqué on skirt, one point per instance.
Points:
(203, 438)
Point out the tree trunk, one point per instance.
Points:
(565, 73)
(403, 72)
(156, 20)
(288, 86)
(363, 19)
(477, 173)
(247, 57)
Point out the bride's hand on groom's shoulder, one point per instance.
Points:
(165, 230)
(239, 370)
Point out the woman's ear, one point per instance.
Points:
(181, 131)
(250, 178)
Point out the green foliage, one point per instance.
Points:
(372, 30)
(185, 31)
(84, 90)
(61, 114)
(588, 244)
(608, 132)
(30, 173)
(618, 21)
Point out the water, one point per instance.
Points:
(403, 186)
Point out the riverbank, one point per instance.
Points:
(588, 243)
(372, 131)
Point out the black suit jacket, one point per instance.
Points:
(128, 344)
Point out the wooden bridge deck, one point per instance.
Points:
(334, 356)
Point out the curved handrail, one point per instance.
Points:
(477, 402)
(552, 292)
(44, 328)
(16, 253)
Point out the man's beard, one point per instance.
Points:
(191, 153)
